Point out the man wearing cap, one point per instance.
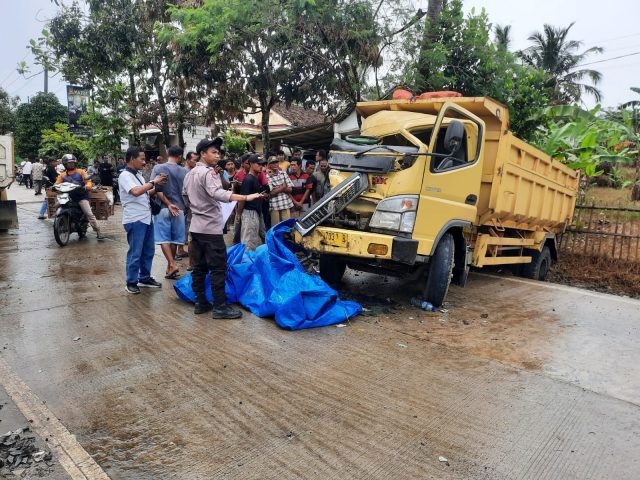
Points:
(250, 212)
(204, 192)
(280, 186)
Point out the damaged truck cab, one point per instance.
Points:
(432, 187)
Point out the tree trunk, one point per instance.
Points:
(133, 108)
(182, 111)
(264, 125)
(635, 191)
(434, 11)
(164, 116)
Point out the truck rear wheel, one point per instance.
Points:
(332, 268)
(540, 264)
(440, 271)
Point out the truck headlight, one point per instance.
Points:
(396, 213)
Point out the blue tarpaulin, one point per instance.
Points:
(271, 282)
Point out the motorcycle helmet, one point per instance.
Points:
(68, 157)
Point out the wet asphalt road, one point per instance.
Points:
(516, 380)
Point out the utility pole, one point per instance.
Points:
(46, 80)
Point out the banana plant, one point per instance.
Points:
(584, 140)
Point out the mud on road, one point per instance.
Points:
(514, 380)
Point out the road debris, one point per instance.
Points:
(75, 339)
(18, 452)
(423, 304)
(341, 325)
(484, 315)
(402, 345)
(443, 460)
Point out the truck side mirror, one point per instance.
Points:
(453, 137)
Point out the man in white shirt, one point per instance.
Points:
(27, 168)
(137, 221)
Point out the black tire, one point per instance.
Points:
(62, 229)
(332, 268)
(540, 264)
(440, 271)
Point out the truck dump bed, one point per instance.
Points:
(522, 187)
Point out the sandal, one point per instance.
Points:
(172, 275)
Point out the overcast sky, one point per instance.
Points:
(613, 25)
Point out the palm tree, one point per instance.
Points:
(560, 59)
(503, 37)
(633, 103)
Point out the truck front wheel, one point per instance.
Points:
(539, 266)
(332, 268)
(440, 270)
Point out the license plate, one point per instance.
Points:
(337, 239)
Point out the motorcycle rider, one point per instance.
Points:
(72, 174)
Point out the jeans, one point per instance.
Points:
(141, 251)
(209, 254)
(43, 208)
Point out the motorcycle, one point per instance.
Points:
(69, 216)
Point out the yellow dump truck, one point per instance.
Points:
(432, 187)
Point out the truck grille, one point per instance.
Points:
(333, 202)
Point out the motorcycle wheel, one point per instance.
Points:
(62, 229)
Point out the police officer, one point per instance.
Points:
(204, 191)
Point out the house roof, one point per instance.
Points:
(299, 116)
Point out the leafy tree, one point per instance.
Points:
(106, 121)
(262, 52)
(560, 59)
(460, 56)
(43, 112)
(343, 38)
(8, 106)
(58, 141)
(115, 41)
(235, 141)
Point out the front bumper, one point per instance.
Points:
(350, 243)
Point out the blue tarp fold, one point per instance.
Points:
(270, 282)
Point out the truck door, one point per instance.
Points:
(451, 184)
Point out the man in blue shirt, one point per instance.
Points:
(169, 227)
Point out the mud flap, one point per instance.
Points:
(8, 214)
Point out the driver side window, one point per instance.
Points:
(456, 145)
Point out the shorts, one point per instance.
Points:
(167, 228)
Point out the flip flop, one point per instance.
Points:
(173, 275)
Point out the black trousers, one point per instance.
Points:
(209, 255)
(28, 182)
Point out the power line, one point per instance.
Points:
(608, 59)
(612, 39)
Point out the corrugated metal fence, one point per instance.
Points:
(604, 230)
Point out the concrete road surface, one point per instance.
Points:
(516, 380)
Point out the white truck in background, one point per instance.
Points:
(8, 210)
